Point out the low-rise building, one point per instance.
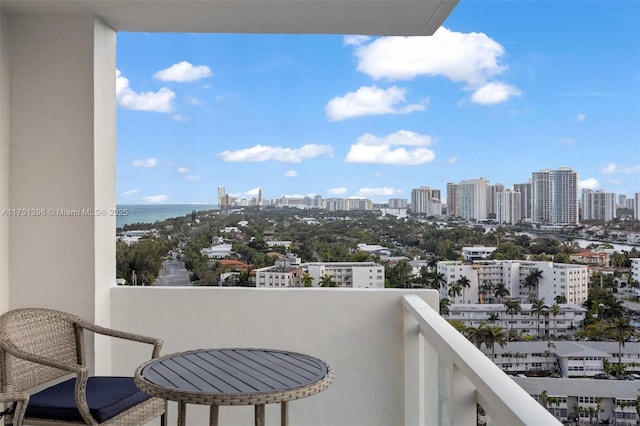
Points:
(522, 324)
(585, 401)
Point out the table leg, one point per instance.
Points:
(284, 413)
(259, 415)
(213, 416)
(182, 414)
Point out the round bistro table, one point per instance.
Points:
(217, 377)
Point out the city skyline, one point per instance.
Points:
(492, 94)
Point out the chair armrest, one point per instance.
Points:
(21, 400)
(157, 343)
(12, 349)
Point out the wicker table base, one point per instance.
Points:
(217, 377)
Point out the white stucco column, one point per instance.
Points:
(62, 165)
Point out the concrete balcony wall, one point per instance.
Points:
(4, 164)
(358, 332)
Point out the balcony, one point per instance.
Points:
(396, 361)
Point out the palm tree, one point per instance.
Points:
(513, 307)
(494, 317)
(437, 280)
(538, 308)
(454, 290)
(327, 281)
(307, 279)
(621, 330)
(464, 283)
(554, 310)
(532, 280)
(492, 335)
(560, 299)
(501, 291)
(444, 306)
(476, 334)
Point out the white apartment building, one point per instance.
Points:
(492, 199)
(288, 273)
(569, 280)
(347, 274)
(477, 252)
(590, 401)
(425, 200)
(526, 323)
(525, 199)
(473, 199)
(598, 205)
(509, 207)
(635, 269)
(555, 197)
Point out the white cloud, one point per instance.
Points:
(145, 162)
(452, 160)
(580, 118)
(129, 193)
(355, 40)
(589, 183)
(337, 191)
(183, 72)
(180, 117)
(260, 153)
(291, 173)
(494, 93)
(370, 192)
(192, 177)
(390, 149)
(472, 58)
(612, 168)
(156, 198)
(126, 97)
(370, 100)
(182, 170)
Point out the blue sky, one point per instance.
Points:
(503, 89)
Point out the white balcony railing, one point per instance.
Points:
(438, 357)
(396, 361)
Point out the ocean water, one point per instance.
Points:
(150, 213)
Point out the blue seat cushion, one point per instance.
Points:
(106, 396)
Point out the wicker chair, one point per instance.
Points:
(38, 347)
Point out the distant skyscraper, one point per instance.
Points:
(472, 199)
(525, 198)
(397, 203)
(598, 205)
(554, 196)
(509, 207)
(636, 206)
(425, 200)
(452, 199)
(492, 199)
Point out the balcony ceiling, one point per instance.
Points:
(367, 17)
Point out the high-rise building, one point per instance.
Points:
(554, 195)
(397, 203)
(224, 201)
(509, 207)
(636, 206)
(492, 199)
(525, 198)
(425, 200)
(598, 205)
(472, 199)
(452, 199)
